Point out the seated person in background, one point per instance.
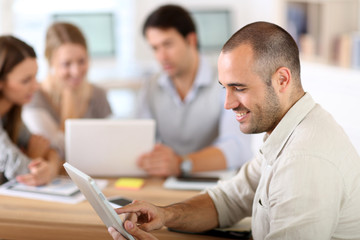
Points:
(304, 182)
(23, 156)
(186, 101)
(65, 93)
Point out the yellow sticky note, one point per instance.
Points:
(129, 183)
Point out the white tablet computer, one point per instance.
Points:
(97, 199)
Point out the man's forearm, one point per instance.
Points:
(208, 159)
(193, 215)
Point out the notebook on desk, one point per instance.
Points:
(108, 147)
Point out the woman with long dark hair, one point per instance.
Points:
(26, 157)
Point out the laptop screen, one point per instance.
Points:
(108, 147)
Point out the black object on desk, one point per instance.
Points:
(197, 179)
(245, 235)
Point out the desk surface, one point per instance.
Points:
(33, 219)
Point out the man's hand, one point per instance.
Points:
(37, 147)
(161, 161)
(132, 229)
(147, 215)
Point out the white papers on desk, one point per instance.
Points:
(200, 181)
(61, 186)
(61, 189)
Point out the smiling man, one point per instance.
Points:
(195, 132)
(305, 180)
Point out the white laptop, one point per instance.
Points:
(108, 147)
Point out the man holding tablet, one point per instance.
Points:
(304, 182)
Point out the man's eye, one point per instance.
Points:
(239, 89)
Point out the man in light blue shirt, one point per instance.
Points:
(195, 131)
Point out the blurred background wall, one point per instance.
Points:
(327, 32)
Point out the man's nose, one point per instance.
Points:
(161, 54)
(230, 101)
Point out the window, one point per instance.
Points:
(98, 29)
(213, 28)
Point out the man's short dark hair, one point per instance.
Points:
(272, 46)
(171, 16)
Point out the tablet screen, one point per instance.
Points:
(97, 199)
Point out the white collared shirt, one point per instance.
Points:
(303, 184)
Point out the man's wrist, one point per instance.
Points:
(186, 165)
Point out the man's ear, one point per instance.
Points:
(192, 39)
(282, 78)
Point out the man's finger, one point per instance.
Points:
(137, 232)
(115, 234)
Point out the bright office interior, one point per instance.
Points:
(125, 60)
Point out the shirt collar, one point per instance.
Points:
(204, 77)
(274, 143)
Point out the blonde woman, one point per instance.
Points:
(65, 93)
(23, 156)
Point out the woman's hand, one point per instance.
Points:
(41, 171)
